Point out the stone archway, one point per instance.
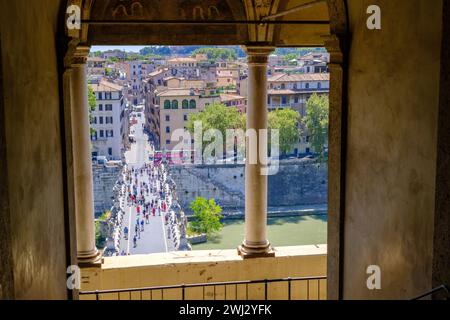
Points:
(203, 23)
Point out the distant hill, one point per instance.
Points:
(237, 51)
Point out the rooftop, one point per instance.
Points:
(176, 93)
(157, 72)
(224, 97)
(106, 86)
(95, 59)
(300, 77)
(182, 60)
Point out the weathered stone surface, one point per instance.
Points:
(33, 148)
(297, 183)
(105, 178)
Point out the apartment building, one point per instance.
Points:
(109, 120)
(227, 77)
(234, 100)
(197, 67)
(314, 62)
(151, 84)
(293, 90)
(175, 106)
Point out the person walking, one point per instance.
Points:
(125, 231)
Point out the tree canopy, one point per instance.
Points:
(207, 215)
(216, 116)
(92, 101)
(215, 54)
(316, 120)
(285, 120)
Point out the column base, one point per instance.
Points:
(249, 252)
(90, 259)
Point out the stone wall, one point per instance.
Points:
(36, 254)
(298, 182)
(391, 152)
(105, 177)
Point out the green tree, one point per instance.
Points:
(286, 121)
(207, 215)
(290, 56)
(216, 116)
(100, 239)
(215, 54)
(92, 105)
(316, 120)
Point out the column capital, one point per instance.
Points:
(258, 54)
(335, 46)
(80, 55)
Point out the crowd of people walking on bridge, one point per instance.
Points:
(148, 192)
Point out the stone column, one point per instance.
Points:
(337, 48)
(256, 243)
(82, 161)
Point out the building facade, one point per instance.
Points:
(175, 106)
(110, 121)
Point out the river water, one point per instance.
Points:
(282, 231)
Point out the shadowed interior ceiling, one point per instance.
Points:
(204, 22)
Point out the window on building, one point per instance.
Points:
(167, 129)
(307, 86)
(175, 104)
(192, 104)
(108, 95)
(283, 86)
(102, 133)
(167, 118)
(283, 100)
(185, 117)
(100, 107)
(100, 96)
(110, 151)
(166, 104)
(185, 104)
(108, 107)
(319, 85)
(167, 141)
(100, 120)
